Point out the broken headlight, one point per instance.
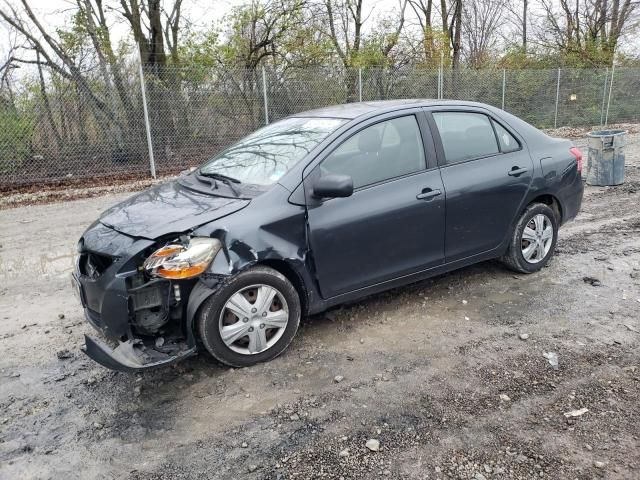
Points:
(178, 261)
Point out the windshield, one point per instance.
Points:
(267, 154)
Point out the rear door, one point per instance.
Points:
(393, 224)
(486, 171)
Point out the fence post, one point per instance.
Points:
(152, 162)
(264, 95)
(504, 83)
(441, 77)
(604, 96)
(555, 119)
(606, 117)
(360, 84)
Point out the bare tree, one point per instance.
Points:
(110, 64)
(525, 7)
(7, 66)
(165, 103)
(480, 24)
(51, 54)
(515, 29)
(388, 50)
(345, 19)
(145, 20)
(452, 28)
(255, 36)
(593, 27)
(172, 27)
(260, 27)
(423, 10)
(392, 38)
(47, 106)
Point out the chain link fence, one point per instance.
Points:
(60, 130)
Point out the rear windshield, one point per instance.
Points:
(264, 156)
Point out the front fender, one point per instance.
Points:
(198, 295)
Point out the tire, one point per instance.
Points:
(253, 330)
(515, 257)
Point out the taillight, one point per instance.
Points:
(578, 154)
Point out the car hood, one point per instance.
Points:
(168, 208)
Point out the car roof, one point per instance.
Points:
(357, 109)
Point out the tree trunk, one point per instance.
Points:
(351, 77)
(456, 32)
(524, 26)
(47, 107)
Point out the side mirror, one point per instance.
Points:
(332, 186)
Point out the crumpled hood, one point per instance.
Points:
(168, 208)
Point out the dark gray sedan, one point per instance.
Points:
(312, 211)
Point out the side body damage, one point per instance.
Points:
(273, 233)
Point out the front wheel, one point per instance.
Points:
(533, 240)
(250, 319)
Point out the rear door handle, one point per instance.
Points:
(428, 194)
(515, 171)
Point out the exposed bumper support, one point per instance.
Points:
(131, 356)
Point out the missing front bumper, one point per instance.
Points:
(132, 356)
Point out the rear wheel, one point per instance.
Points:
(251, 319)
(533, 240)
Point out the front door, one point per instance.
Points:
(486, 173)
(393, 224)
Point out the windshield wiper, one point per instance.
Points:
(218, 176)
(228, 181)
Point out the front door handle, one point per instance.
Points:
(428, 194)
(516, 171)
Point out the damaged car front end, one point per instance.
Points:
(134, 276)
(144, 294)
(124, 295)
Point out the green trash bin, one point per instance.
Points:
(605, 163)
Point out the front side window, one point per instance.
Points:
(465, 135)
(264, 156)
(383, 151)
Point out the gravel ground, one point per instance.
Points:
(448, 375)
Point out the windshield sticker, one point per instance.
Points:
(275, 176)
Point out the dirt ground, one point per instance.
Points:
(447, 374)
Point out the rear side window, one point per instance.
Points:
(383, 151)
(507, 142)
(465, 135)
